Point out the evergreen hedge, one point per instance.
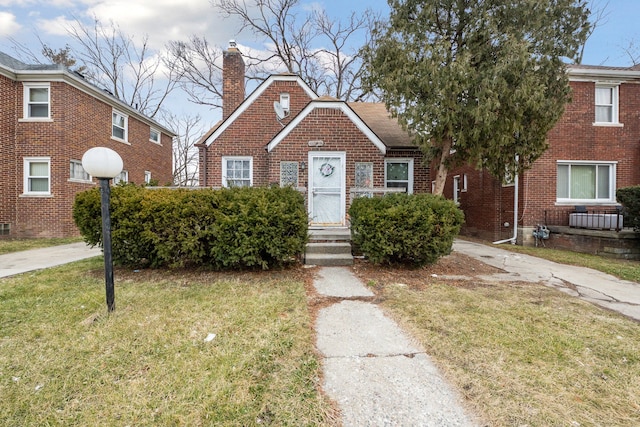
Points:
(629, 198)
(235, 228)
(405, 229)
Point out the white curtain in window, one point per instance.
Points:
(604, 186)
(562, 184)
(583, 182)
(604, 104)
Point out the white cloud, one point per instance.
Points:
(8, 24)
(56, 26)
(164, 20)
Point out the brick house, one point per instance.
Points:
(593, 150)
(49, 116)
(285, 134)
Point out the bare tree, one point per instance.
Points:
(133, 73)
(321, 50)
(185, 155)
(598, 16)
(199, 65)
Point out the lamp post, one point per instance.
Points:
(104, 164)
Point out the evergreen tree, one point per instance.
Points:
(477, 81)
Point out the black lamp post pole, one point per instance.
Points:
(105, 194)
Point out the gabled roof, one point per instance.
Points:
(333, 104)
(387, 128)
(213, 134)
(19, 71)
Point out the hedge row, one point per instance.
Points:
(233, 228)
(629, 198)
(405, 229)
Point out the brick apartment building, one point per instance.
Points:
(285, 134)
(49, 116)
(593, 150)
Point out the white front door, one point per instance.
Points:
(327, 189)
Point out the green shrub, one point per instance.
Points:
(405, 229)
(221, 229)
(629, 197)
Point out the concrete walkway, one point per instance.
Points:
(37, 259)
(594, 286)
(374, 372)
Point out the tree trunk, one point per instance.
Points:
(441, 175)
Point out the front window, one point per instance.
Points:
(398, 173)
(606, 104)
(77, 172)
(122, 177)
(586, 182)
(37, 176)
(119, 125)
(36, 101)
(237, 171)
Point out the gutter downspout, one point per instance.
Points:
(515, 216)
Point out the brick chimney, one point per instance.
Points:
(232, 80)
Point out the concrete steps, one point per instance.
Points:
(329, 247)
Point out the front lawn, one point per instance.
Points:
(17, 245)
(155, 360)
(521, 354)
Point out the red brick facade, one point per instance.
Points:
(80, 118)
(311, 125)
(576, 138)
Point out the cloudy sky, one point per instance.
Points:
(165, 20)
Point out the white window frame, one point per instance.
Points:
(27, 101)
(459, 186)
(599, 201)
(400, 160)
(285, 102)
(85, 178)
(123, 176)
(158, 136)
(225, 183)
(27, 177)
(615, 102)
(114, 115)
(147, 177)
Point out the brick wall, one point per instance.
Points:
(79, 122)
(8, 180)
(250, 133)
(233, 89)
(488, 205)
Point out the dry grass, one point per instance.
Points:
(521, 354)
(624, 269)
(17, 245)
(64, 361)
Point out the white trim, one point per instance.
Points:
(159, 141)
(27, 86)
(125, 137)
(612, 183)
(254, 95)
(336, 105)
(26, 161)
(72, 79)
(408, 160)
(615, 103)
(591, 74)
(343, 185)
(242, 158)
